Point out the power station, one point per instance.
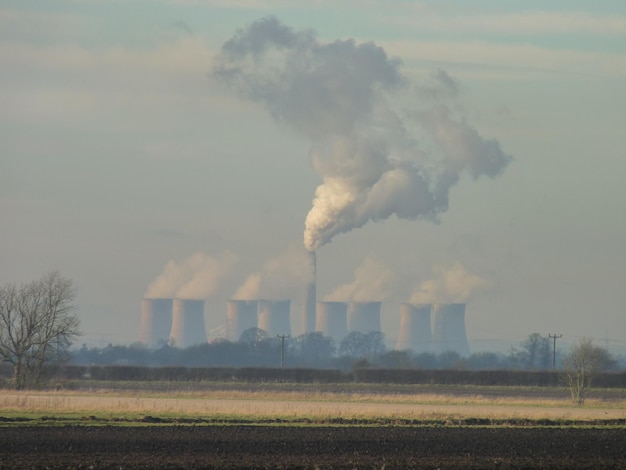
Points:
(423, 328)
(449, 329)
(241, 316)
(332, 320)
(415, 329)
(309, 316)
(188, 323)
(156, 321)
(274, 316)
(364, 317)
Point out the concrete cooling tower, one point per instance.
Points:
(274, 317)
(449, 329)
(414, 328)
(332, 320)
(188, 323)
(241, 316)
(364, 316)
(156, 322)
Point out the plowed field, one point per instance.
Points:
(237, 446)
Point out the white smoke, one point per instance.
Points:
(279, 278)
(373, 162)
(452, 284)
(196, 277)
(373, 281)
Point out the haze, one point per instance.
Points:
(426, 150)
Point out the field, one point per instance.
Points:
(295, 426)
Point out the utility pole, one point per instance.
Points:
(282, 349)
(554, 338)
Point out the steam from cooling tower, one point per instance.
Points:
(196, 277)
(372, 281)
(374, 161)
(452, 284)
(280, 277)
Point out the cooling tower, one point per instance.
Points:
(332, 320)
(241, 316)
(156, 321)
(274, 317)
(188, 323)
(414, 328)
(308, 313)
(364, 316)
(449, 329)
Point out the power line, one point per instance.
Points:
(282, 349)
(554, 337)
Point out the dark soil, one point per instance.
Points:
(171, 447)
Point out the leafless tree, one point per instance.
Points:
(581, 365)
(534, 353)
(37, 326)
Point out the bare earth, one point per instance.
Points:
(160, 440)
(311, 447)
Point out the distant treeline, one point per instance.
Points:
(302, 375)
(311, 351)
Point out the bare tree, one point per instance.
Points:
(583, 362)
(533, 354)
(37, 326)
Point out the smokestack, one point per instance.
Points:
(274, 317)
(332, 320)
(364, 316)
(310, 300)
(241, 316)
(188, 323)
(449, 329)
(156, 321)
(414, 328)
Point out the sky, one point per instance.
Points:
(429, 151)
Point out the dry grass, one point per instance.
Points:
(294, 404)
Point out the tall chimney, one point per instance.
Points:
(309, 313)
(241, 316)
(449, 329)
(414, 328)
(156, 321)
(188, 323)
(332, 320)
(274, 316)
(364, 316)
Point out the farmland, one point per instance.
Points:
(310, 426)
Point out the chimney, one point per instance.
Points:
(310, 299)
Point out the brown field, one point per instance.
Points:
(153, 429)
(322, 406)
(315, 447)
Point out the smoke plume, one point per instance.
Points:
(449, 285)
(373, 281)
(279, 278)
(373, 160)
(196, 277)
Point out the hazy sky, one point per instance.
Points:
(468, 151)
